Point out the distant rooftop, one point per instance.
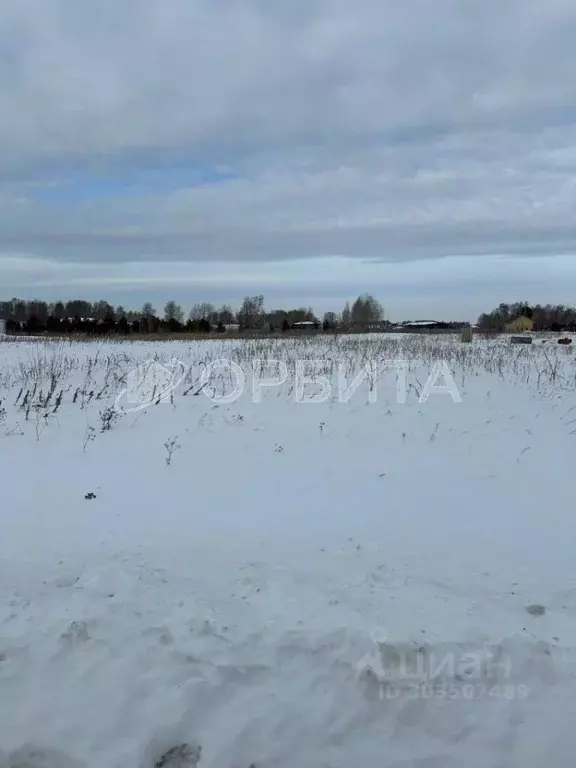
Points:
(422, 323)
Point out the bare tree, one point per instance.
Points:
(203, 311)
(102, 310)
(173, 311)
(330, 320)
(346, 314)
(78, 308)
(251, 312)
(366, 310)
(57, 310)
(226, 315)
(148, 310)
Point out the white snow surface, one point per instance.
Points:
(249, 594)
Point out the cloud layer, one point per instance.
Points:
(222, 132)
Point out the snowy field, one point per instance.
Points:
(303, 574)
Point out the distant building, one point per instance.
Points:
(422, 326)
(2, 327)
(305, 325)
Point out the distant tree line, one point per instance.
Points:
(101, 318)
(541, 318)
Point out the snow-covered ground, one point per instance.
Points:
(290, 576)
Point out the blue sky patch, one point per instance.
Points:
(80, 187)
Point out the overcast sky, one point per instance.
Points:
(309, 150)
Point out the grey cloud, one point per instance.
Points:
(371, 244)
(92, 78)
(376, 129)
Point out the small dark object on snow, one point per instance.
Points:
(181, 756)
(565, 341)
(536, 610)
(90, 495)
(521, 339)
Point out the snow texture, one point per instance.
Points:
(203, 580)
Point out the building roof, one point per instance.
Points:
(422, 323)
(304, 322)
